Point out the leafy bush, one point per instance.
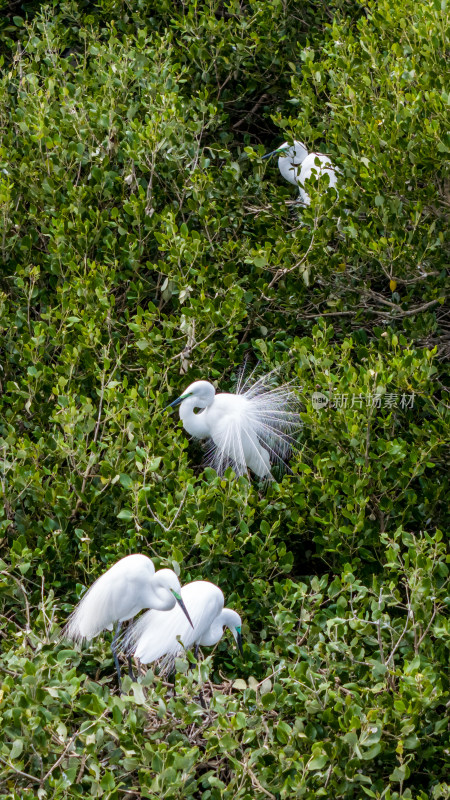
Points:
(141, 252)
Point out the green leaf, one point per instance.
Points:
(318, 762)
(138, 693)
(16, 749)
(127, 483)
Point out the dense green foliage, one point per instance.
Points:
(140, 252)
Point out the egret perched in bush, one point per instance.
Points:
(158, 635)
(248, 429)
(296, 165)
(127, 587)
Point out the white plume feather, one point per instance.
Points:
(118, 594)
(259, 432)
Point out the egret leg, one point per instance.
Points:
(171, 679)
(114, 652)
(196, 652)
(130, 668)
(200, 691)
(201, 698)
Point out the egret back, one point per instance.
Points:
(310, 168)
(117, 595)
(166, 634)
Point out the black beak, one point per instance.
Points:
(180, 602)
(239, 643)
(270, 154)
(174, 403)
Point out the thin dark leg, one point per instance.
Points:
(114, 652)
(171, 679)
(130, 668)
(196, 652)
(201, 698)
(200, 692)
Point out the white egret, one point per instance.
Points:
(297, 166)
(249, 429)
(157, 636)
(126, 588)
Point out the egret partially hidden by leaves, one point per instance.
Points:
(297, 166)
(247, 430)
(162, 637)
(126, 588)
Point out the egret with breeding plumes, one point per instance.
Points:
(124, 590)
(297, 166)
(158, 636)
(247, 430)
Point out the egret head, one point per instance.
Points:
(167, 588)
(296, 152)
(201, 391)
(234, 623)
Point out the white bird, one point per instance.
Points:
(158, 636)
(297, 166)
(127, 587)
(249, 429)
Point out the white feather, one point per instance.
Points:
(250, 429)
(165, 635)
(297, 166)
(119, 594)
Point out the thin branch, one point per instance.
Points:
(167, 529)
(19, 771)
(436, 609)
(23, 590)
(399, 640)
(68, 745)
(250, 113)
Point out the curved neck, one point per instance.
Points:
(227, 618)
(195, 424)
(159, 596)
(300, 153)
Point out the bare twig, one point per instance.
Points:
(25, 597)
(164, 527)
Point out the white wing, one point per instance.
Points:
(159, 634)
(115, 595)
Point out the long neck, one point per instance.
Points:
(227, 618)
(300, 153)
(195, 424)
(158, 594)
